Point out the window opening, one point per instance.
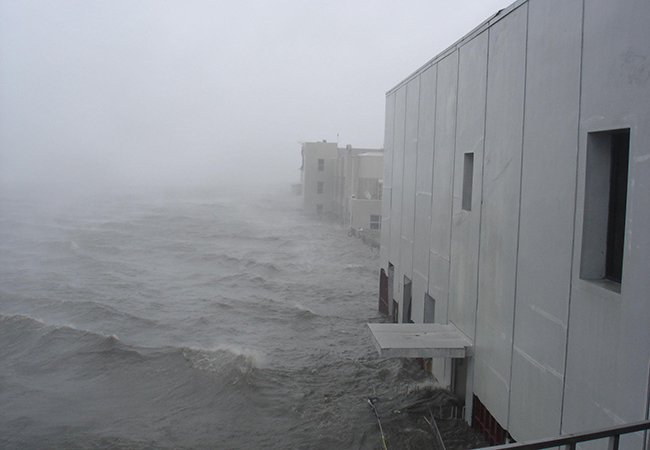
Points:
(391, 300)
(603, 234)
(319, 209)
(319, 187)
(617, 206)
(406, 318)
(375, 222)
(429, 309)
(468, 179)
(383, 292)
(321, 165)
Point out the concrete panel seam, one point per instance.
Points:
(453, 174)
(480, 218)
(575, 218)
(433, 173)
(521, 174)
(417, 147)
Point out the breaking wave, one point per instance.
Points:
(187, 319)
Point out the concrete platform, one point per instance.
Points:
(419, 340)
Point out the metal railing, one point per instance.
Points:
(569, 441)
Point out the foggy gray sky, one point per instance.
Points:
(102, 93)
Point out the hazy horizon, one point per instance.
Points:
(96, 95)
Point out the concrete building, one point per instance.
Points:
(365, 201)
(317, 176)
(359, 188)
(344, 182)
(516, 216)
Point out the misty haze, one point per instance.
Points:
(159, 285)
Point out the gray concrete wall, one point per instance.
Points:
(423, 191)
(386, 199)
(407, 227)
(546, 218)
(500, 211)
(554, 353)
(610, 331)
(358, 172)
(361, 210)
(465, 224)
(312, 152)
(397, 189)
(441, 199)
(371, 165)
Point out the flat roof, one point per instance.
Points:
(419, 340)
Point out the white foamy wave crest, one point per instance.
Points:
(233, 362)
(303, 310)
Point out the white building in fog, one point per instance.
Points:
(344, 182)
(516, 213)
(359, 188)
(317, 175)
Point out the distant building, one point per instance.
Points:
(359, 188)
(516, 217)
(296, 188)
(343, 182)
(317, 175)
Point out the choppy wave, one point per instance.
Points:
(187, 319)
(64, 345)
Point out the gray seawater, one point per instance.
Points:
(188, 318)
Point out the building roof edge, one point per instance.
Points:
(494, 18)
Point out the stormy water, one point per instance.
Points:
(191, 318)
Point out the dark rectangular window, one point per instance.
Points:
(319, 187)
(375, 222)
(617, 205)
(468, 179)
(321, 165)
(606, 179)
(429, 309)
(319, 209)
(383, 292)
(391, 299)
(407, 311)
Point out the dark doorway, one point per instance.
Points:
(383, 292)
(407, 301)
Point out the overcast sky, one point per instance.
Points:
(106, 92)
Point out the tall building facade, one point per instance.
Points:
(317, 175)
(343, 182)
(359, 188)
(516, 210)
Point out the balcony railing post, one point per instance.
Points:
(570, 446)
(613, 442)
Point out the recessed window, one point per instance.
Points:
(319, 209)
(407, 311)
(603, 234)
(468, 178)
(429, 309)
(321, 165)
(319, 187)
(375, 222)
